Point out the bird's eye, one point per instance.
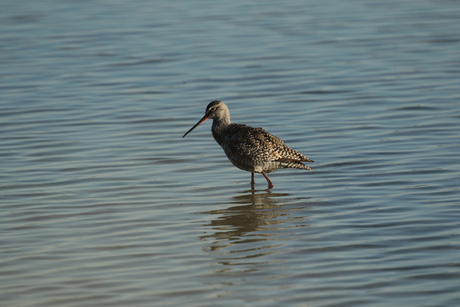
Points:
(212, 109)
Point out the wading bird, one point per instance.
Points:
(250, 149)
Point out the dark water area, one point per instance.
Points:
(103, 203)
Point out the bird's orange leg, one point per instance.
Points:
(270, 183)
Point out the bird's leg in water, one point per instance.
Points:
(270, 184)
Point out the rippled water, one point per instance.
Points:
(104, 204)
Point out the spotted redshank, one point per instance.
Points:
(250, 149)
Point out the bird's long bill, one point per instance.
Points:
(196, 125)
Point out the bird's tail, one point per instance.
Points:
(294, 164)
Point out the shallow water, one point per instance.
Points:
(104, 204)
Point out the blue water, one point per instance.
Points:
(104, 204)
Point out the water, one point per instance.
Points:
(104, 204)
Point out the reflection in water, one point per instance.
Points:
(258, 218)
(253, 237)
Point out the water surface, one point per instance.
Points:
(104, 204)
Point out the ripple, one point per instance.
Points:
(105, 204)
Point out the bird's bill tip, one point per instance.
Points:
(196, 125)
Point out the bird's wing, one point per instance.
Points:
(256, 142)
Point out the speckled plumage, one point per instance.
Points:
(250, 149)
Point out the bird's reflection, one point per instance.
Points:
(254, 217)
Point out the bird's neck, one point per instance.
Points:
(218, 127)
(220, 123)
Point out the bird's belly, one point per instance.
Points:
(242, 163)
(249, 164)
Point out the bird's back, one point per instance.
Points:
(256, 150)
